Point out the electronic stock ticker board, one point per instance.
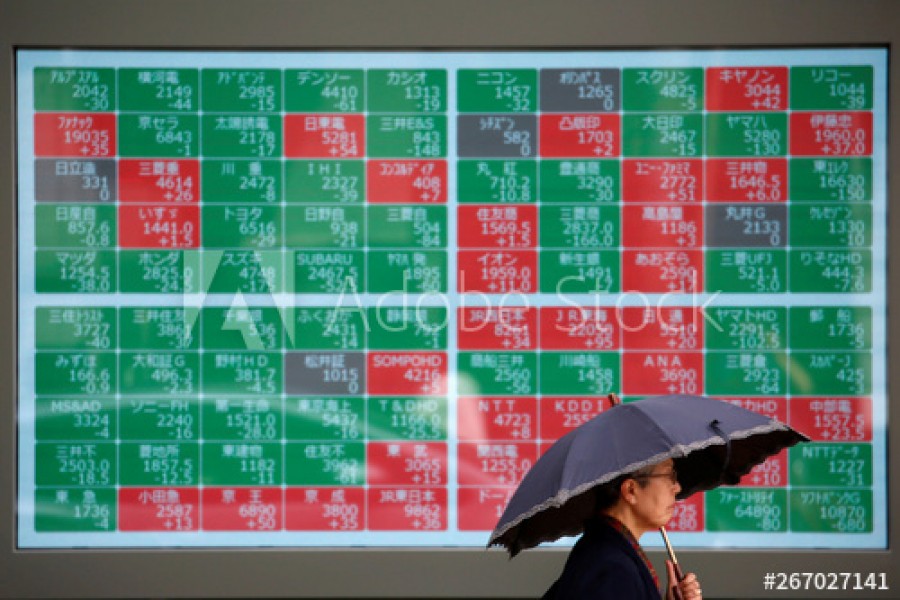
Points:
(338, 298)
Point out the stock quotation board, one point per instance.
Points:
(337, 298)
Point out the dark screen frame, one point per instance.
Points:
(408, 25)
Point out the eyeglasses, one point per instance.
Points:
(671, 475)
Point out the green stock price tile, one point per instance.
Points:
(502, 91)
(75, 373)
(243, 419)
(325, 463)
(840, 226)
(831, 465)
(580, 227)
(746, 134)
(158, 271)
(747, 509)
(75, 419)
(407, 271)
(159, 373)
(160, 418)
(406, 136)
(746, 327)
(325, 181)
(407, 328)
(159, 90)
(242, 463)
(74, 89)
(329, 226)
(149, 135)
(407, 226)
(158, 328)
(579, 373)
(406, 90)
(496, 181)
(241, 226)
(329, 272)
(241, 181)
(827, 270)
(242, 372)
(75, 226)
(75, 510)
(241, 136)
(746, 271)
(827, 510)
(831, 179)
(579, 272)
(250, 90)
(245, 271)
(159, 463)
(826, 373)
(75, 271)
(497, 373)
(588, 181)
(831, 327)
(328, 328)
(75, 328)
(243, 328)
(662, 135)
(832, 87)
(331, 418)
(407, 418)
(662, 89)
(748, 373)
(324, 90)
(76, 464)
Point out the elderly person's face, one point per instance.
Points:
(651, 496)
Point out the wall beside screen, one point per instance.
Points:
(301, 290)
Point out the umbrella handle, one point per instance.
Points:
(679, 574)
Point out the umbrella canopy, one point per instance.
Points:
(711, 441)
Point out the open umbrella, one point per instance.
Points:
(711, 441)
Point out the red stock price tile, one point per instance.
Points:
(579, 328)
(242, 509)
(747, 180)
(661, 373)
(406, 373)
(160, 181)
(497, 271)
(497, 226)
(500, 328)
(325, 509)
(662, 226)
(406, 181)
(670, 180)
(159, 509)
(82, 135)
(166, 226)
(831, 134)
(480, 508)
(497, 418)
(746, 88)
(324, 136)
(580, 135)
(407, 509)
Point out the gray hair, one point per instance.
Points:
(608, 493)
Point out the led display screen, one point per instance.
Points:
(347, 298)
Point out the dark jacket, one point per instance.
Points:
(604, 565)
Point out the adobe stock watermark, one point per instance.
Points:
(399, 310)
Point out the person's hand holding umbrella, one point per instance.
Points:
(687, 588)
